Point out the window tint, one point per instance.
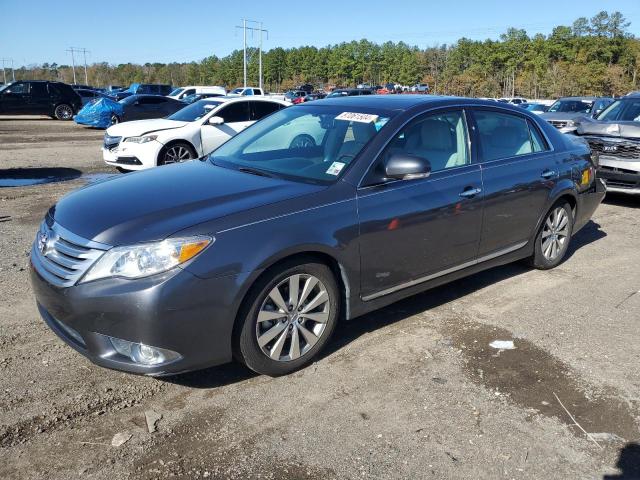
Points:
(262, 109)
(39, 89)
(248, 92)
(152, 100)
(538, 142)
(190, 91)
(236, 112)
(440, 138)
(502, 135)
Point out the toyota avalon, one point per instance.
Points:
(258, 250)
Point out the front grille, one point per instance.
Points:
(61, 257)
(558, 123)
(618, 170)
(621, 184)
(615, 148)
(111, 142)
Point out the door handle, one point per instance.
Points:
(547, 174)
(470, 192)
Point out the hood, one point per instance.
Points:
(610, 129)
(153, 204)
(563, 116)
(141, 127)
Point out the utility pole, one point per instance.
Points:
(73, 63)
(244, 34)
(4, 72)
(84, 53)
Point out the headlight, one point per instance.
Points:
(144, 139)
(570, 123)
(146, 259)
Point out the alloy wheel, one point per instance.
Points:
(177, 154)
(293, 317)
(555, 233)
(64, 112)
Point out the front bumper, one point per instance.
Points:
(620, 175)
(133, 156)
(175, 310)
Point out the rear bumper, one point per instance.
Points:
(176, 311)
(588, 203)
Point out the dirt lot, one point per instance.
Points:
(413, 391)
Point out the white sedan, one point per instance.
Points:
(191, 132)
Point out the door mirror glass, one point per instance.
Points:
(402, 166)
(215, 120)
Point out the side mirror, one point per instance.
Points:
(215, 120)
(407, 167)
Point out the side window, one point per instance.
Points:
(190, 91)
(262, 109)
(248, 92)
(441, 138)
(538, 142)
(21, 87)
(39, 89)
(502, 135)
(235, 112)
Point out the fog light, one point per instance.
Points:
(143, 354)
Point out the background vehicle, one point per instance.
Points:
(199, 96)
(565, 111)
(246, 92)
(535, 107)
(106, 111)
(182, 92)
(189, 133)
(420, 88)
(258, 250)
(293, 95)
(307, 87)
(615, 137)
(89, 95)
(349, 92)
(35, 97)
(143, 89)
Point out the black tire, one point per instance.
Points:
(63, 111)
(541, 258)
(114, 119)
(123, 170)
(246, 347)
(173, 153)
(302, 140)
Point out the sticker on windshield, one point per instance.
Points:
(357, 117)
(335, 168)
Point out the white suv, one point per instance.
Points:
(191, 132)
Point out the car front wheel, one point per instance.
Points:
(293, 312)
(552, 241)
(63, 112)
(176, 153)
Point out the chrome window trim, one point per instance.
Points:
(442, 273)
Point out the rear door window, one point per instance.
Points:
(39, 90)
(502, 135)
(235, 112)
(262, 109)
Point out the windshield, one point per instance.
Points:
(3, 87)
(176, 92)
(340, 93)
(622, 111)
(572, 106)
(311, 144)
(237, 90)
(195, 111)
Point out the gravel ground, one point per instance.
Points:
(412, 391)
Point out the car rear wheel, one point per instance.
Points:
(552, 241)
(292, 315)
(114, 119)
(176, 153)
(63, 112)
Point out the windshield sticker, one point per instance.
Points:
(357, 117)
(335, 168)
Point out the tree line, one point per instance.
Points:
(596, 56)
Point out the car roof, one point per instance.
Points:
(583, 98)
(403, 102)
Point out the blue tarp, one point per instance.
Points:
(98, 114)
